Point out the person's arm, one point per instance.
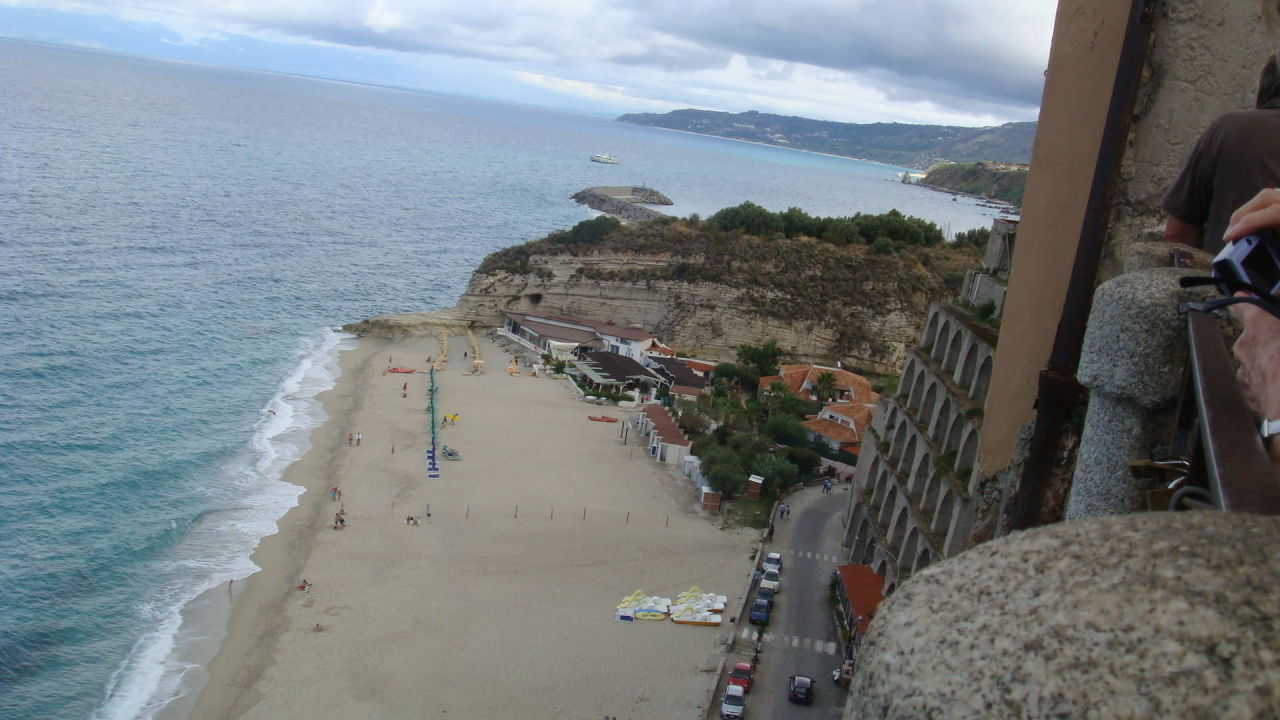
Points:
(1258, 349)
(1182, 232)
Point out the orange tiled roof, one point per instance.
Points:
(834, 430)
(862, 588)
(685, 390)
(796, 376)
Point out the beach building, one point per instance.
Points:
(614, 373)
(841, 426)
(565, 337)
(803, 381)
(667, 442)
(682, 380)
(858, 597)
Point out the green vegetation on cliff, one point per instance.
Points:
(896, 143)
(989, 180)
(836, 272)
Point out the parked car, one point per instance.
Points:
(771, 580)
(734, 703)
(760, 610)
(800, 689)
(766, 593)
(742, 675)
(772, 561)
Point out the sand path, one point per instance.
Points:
(500, 604)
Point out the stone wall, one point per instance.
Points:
(1204, 60)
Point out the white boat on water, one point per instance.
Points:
(605, 158)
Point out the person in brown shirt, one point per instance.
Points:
(1238, 155)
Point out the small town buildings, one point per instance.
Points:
(858, 594)
(667, 442)
(842, 425)
(614, 373)
(802, 381)
(682, 380)
(564, 337)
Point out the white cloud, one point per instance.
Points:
(952, 61)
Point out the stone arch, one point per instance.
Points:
(920, 475)
(946, 508)
(943, 339)
(953, 351)
(930, 401)
(898, 531)
(981, 383)
(968, 450)
(880, 483)
(886, 510)
(968, 366)
(908, 379)
(869, 550)
(931, 491)
(924, 559)
(908, 553)
(917, 389)
(899, 444)
(942, 421)
(881, 567)
(956, 429)
(908, 455)
(931, 328)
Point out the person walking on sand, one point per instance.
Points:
(350, 437)
(358, 437)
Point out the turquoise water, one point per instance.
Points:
(177, 245)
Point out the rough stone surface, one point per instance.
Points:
(622, 202)
(706, 319)
(1152, 252)
(1116, 432)
(1135, 346)
(1155, 615)
(1204, 60)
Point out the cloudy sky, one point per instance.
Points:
(962, 62)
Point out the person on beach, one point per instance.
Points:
(333, 493)
(404, 388)
(358, 437)
(350, 437)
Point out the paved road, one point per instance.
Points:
(801, 637)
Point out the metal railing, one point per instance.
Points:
(1217, 460)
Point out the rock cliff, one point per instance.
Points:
(623, 202)
(706, 295)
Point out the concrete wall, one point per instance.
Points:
(1082, 64)
(1204, 60)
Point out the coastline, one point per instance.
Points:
(503, 575)
(771, 145)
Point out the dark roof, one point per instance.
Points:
(607, 328)
(618, 368)
(678, 372)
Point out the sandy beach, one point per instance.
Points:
(501, 603)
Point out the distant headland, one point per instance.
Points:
(915, 146)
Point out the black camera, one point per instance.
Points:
(1252, 260)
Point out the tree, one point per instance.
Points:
(724, 472)
(804, 459)
(778, 474)
(764, 358)
(825, 386)
(786, 430)
(882, 246)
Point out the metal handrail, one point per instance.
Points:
(1215, 430)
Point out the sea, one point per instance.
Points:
(179, 245)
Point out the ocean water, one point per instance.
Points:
(178, 244)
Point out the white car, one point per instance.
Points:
(771, 580)
(734, 703)
(772, 561)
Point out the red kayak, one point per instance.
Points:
(602, 418)
(403, 370)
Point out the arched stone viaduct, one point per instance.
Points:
(910, 503)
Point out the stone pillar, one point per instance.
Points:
(1132, 361)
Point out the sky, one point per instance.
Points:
(949, 62)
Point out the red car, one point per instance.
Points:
(742, 674)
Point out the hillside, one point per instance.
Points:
(917, 146)
(705, 291)
(989, 180)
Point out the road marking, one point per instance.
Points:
(795, 641)
(806, 643)
(831, 647)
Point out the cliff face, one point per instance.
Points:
(702, 318)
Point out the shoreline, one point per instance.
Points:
(771, 145)
(417, 617)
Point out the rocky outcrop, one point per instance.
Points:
(623, 203)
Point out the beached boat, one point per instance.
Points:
(602, 418)
(687, 615)
(604, 158)
(403, 370)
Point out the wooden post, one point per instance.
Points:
(628, 517)
(517, 512)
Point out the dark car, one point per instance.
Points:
(800, 689)
(760, 610)
(766, 593)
